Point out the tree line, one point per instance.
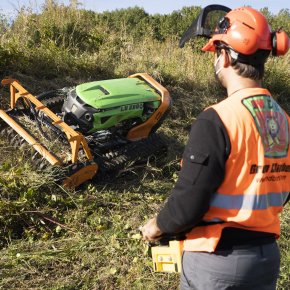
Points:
(85, 30)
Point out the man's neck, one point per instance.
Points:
(239, 83)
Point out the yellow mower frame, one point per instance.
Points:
(75, 139)
(143, 130)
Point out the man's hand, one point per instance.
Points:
(150, 231)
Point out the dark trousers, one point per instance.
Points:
(242, 268)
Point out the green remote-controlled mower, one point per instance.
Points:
(103, 125)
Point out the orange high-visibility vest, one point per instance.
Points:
(257, 174)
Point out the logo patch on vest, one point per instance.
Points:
(272, 124)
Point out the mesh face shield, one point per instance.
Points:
(205, 24)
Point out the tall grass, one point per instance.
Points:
(53, 238)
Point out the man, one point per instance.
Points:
(235, 176)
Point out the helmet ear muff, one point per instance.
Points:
(280, 43)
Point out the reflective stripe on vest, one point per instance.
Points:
(250, 201)
(257, 175)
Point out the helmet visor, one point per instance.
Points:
(206, 24)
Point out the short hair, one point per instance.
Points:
(255, 72)
(252, 67)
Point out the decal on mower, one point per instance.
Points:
(132, 107)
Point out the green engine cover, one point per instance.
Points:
(117, 100)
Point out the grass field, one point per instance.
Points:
(54, 238)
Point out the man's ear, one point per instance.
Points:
(225, 59)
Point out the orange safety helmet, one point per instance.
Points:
(246, 31)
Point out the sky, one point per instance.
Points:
(150, 6)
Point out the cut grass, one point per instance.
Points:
(52, 238)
